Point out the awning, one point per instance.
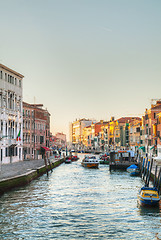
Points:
(142, 148)
(152, 147)
(46, 148)
(157, 158)
(13, 145)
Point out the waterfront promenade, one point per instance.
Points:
(19, 168)
(21, 173)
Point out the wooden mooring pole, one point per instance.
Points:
(147, 173)
(155, 176)
(148, 178)
(45, 161)
(146, 161)
(50, 164)
(159, 187)
(142, 169)
(158, 179)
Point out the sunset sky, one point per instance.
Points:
(84, 58)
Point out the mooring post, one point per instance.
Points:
(146, 161)
(143, 165)
(158, 179)
(50, 164)
(150, 172)
(155, 176)
(159, 184)
(147, 172)
(45, 161)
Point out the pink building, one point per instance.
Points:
(36, 130)
(61, 136)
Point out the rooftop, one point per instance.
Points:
(10, 70)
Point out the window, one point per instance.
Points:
(16, 81)
(20, 83)
(138, 129)
(1, 75)
(41, 139)
(149, 131)
(1, 125)
(1, 100)
(16, 152)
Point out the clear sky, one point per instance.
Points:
(84, 58)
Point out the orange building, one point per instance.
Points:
(150, 121)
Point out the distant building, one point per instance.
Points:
(135, 133)
(11, 131)
(77, 131)
(87, 136)
(61, 136)
(58, 141)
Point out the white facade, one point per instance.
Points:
(11, 115)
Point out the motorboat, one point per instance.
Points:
(90, 162)
(68, 160)
(148, 196)
(104, 158)
(133, 170)
(75, 157)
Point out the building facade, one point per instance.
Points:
(150, 121)
(11, 119)
(36, 130)
(77, 132)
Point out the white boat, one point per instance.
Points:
(90, 162)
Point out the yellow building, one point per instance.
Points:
(77, 131)
(87, 133)
(111, 129)
(135, 128)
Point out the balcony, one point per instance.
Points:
(12, 142)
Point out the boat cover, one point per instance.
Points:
(149, 188)
(133, 166)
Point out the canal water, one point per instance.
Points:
(78, 203)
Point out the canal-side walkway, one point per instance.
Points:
(19, 168)
(21, 173)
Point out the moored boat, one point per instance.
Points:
(90, 162)
(75, 157)
(148, 196)
(104, 158)
(133, 170)
(68, 160)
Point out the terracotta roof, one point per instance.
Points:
(127, 119)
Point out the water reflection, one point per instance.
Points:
(149, 211)
(78, 203)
